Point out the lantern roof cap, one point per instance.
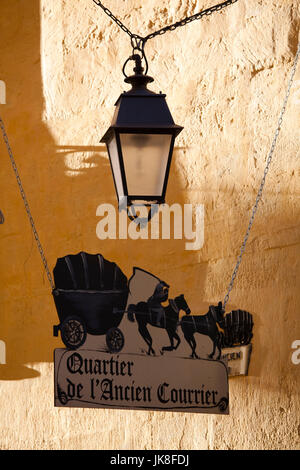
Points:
(141, 109)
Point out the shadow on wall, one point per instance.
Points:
(63, 197)
(63, 202)
(31, 143)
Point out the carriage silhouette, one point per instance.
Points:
(90, 296)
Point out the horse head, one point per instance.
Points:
(218, 314)
(181, 304)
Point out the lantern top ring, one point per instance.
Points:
(137, 42)
(138, 62)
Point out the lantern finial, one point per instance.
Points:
(139, 80)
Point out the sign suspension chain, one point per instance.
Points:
(259, 194)
(26, 204)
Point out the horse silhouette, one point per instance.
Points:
(143, 315)
(206, 325)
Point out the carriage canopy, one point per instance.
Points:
(85, 271)
(89, 290)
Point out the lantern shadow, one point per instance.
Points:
(79, 159)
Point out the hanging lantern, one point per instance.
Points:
(140, 142)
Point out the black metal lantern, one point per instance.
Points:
(140, 142)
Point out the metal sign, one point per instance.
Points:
(128, 345)
(98, 379)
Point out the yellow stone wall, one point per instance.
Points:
(225, 78)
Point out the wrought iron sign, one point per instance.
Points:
(115, 333)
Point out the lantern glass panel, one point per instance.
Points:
(115, 163)
(145, 158)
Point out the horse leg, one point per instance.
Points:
(146, 335)
(214, 339)
(218, 346)
(192, 342)
(219, 355)
(176, 336)
(169, 348)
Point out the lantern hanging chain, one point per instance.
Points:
(138, 42)
(26, 204)
(262, 184)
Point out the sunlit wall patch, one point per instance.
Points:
(2, 352)
(2, 92)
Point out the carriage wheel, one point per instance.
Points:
(73, 332)
(114, 340)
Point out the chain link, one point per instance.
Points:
(27, 208)
(116, 20)
(138, 42)
(262, 184)
(197, 16)
(142, 40)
